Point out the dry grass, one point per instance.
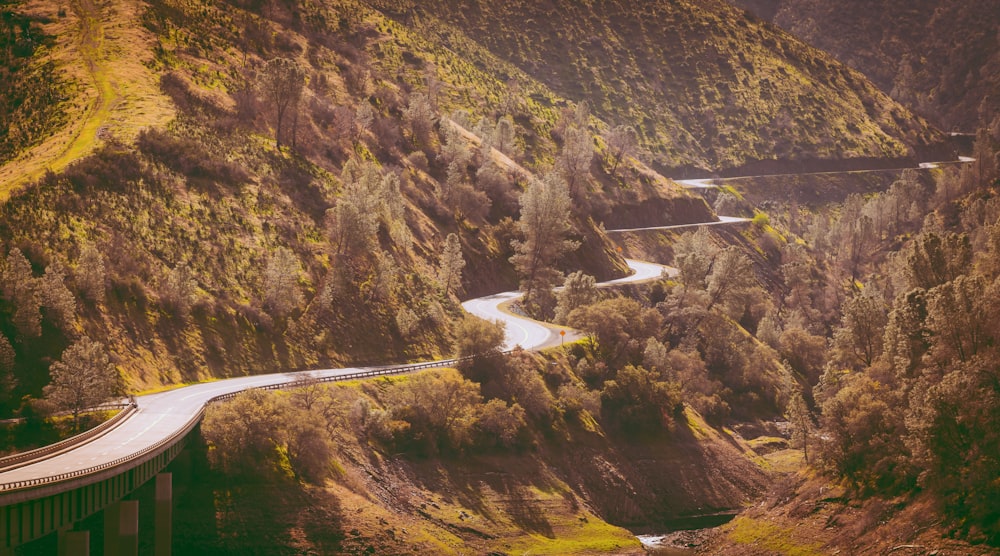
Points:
(103, 51)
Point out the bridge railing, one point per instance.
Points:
(21, 459)
(154, 449)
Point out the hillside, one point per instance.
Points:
(708, 88)
(941, 59)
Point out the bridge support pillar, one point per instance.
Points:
(163, 514)
(128, 532)
(74, 543)
(112, 526)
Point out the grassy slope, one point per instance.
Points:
(101, 50)
(940, 58)
(569, 492)
(707, 86)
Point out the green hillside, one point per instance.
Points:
(706, 85)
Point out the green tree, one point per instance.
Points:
(244, 434)
(281, 283)
(450, 265)
(801, 420)
(20, 288)
(731, 277)
(83, 378)
(440, 406)
(282, 82)
(636, 401)
(8, 380)
(90, 273)
(58, 301)
(578, 289)
(857, 342)
(179, 290)
(544, 224)
(478, 337)
(933, 259)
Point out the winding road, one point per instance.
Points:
(167, 414)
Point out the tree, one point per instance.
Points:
(451, 264)
(282, 81)
(281, 283)
(504, 135)
(7, 361)
(933, 260)
(578, 290)
(82, 379)
(574, 160)
(858, 339)
(20, 288)
(178, 290)
(732, 275)
(246, 432)
(544, 224)
(90, 273)
(58, 301)
(419, 117)
(801, 420)
(636, 401)
(621, 141)
(478, 338)
(440, 407)
(363, 118)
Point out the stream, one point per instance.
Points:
(678, 537)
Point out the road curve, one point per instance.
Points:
(531, 334)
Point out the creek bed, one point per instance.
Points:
(681, 536)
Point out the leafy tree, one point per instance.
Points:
(282, 81)
(8, 359)
(636, 401)
(479, 337)
(614, 324)
(245, 433)
(731, 277)
(800, 418)
(58, 301)
(20, 288)
(864, 435)
(440, 407)
(933, 260)
(621, 141)
(857, 342)
(578, 290)
(544, 224)
(419, 117)
(499, 423)
(90, 273)
(451, 264)
(962, 319)
(83, 378)
(281, 283)
(178, 291)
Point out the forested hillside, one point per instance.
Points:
(271, 185)
(705, 86)
(940, 59)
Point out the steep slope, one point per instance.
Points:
(705, 85)
(940, 58)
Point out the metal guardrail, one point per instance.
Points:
(14, 461)
(167, 441)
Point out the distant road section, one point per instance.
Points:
(530, 334)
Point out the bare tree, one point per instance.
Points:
(621, 141)
(90, 273)
(282, 81)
